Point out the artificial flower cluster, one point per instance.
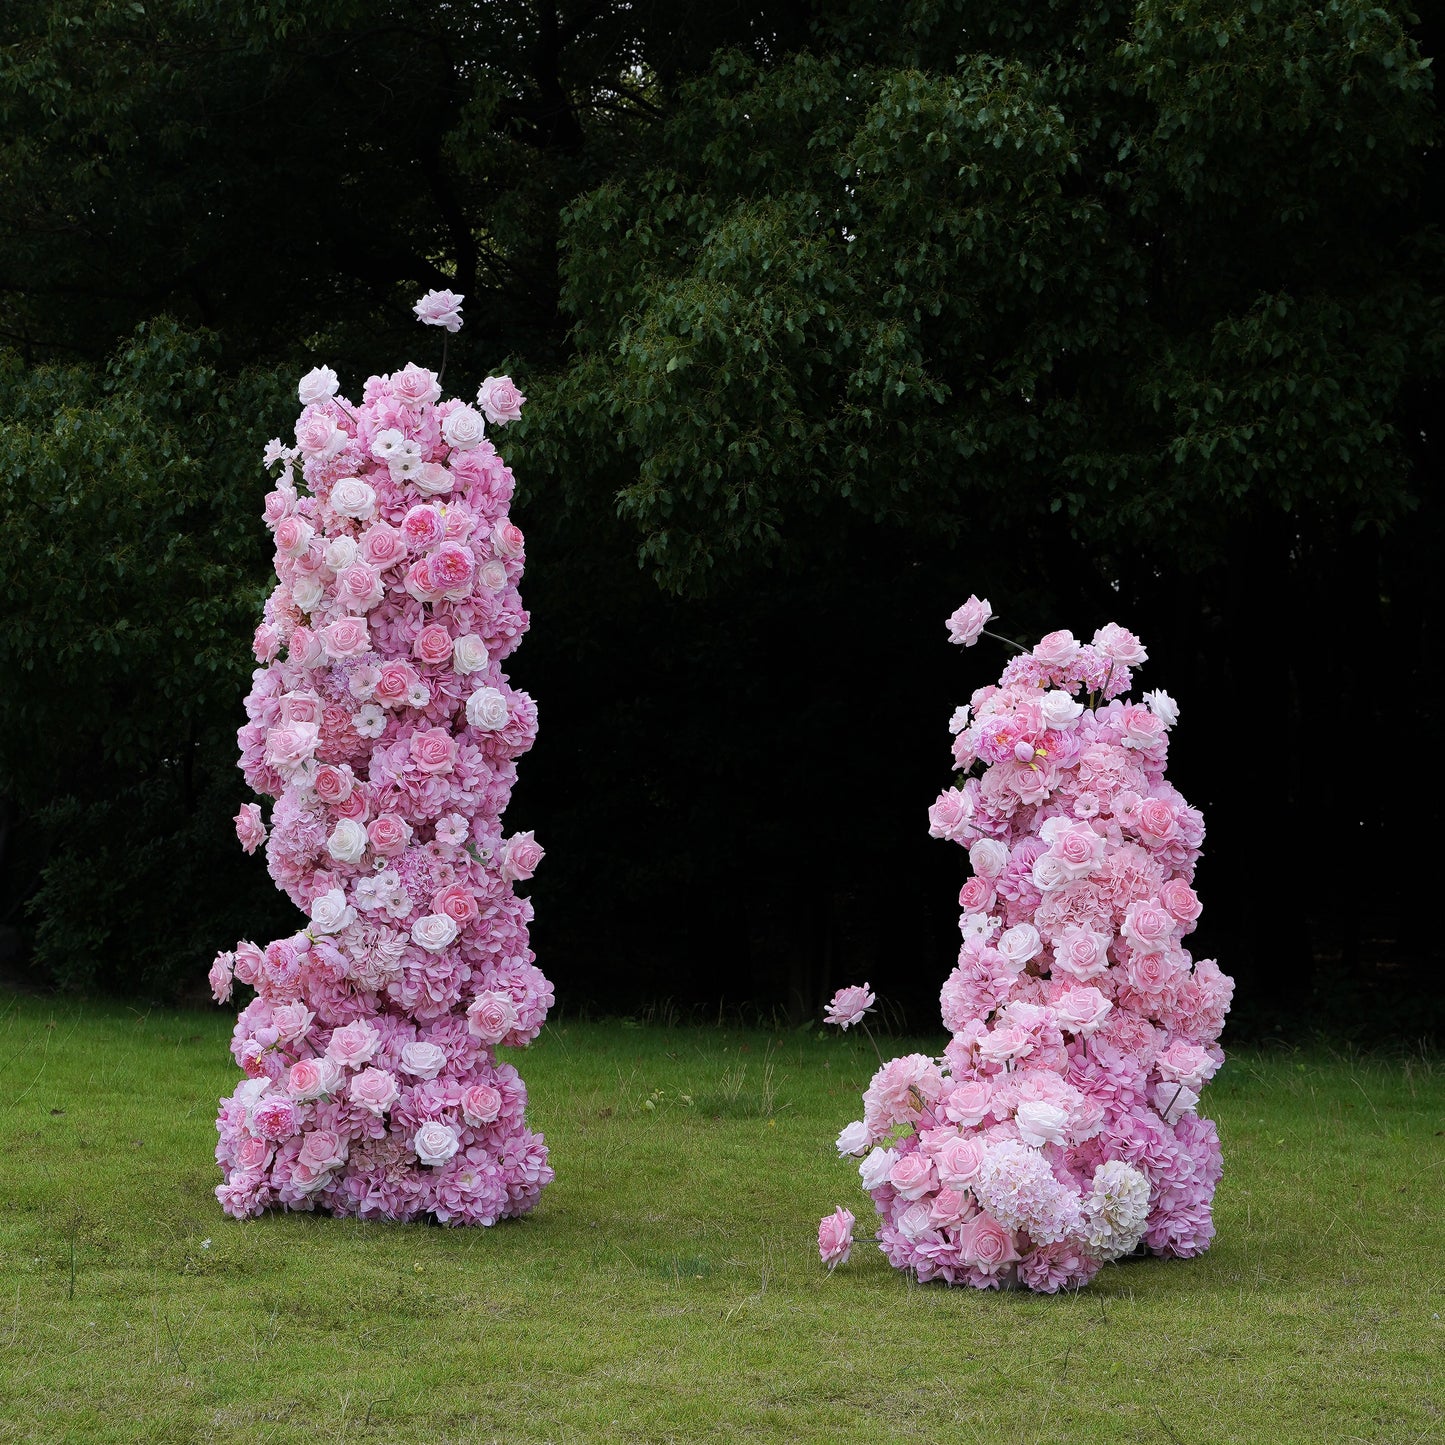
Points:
(383, 726)
(1059, 1129)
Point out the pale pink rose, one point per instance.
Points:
(432, 479)
(346, 637)
(291, 1020)
(389, 834)
(912, 1176)
(989, 857)
(395, 682)
(382, 545)
(492, 574)
(959, 1162)
(967, 624)
(1148, 927)
(440, 308)
(423, 1060)
(351, 497)
(1081, 953)
(293, 536)
(487, 710)
(322, 1149)
(1180, 901)
(463, 429)
(432, 750)
(1120, 645)
(1157, 823)
(435, 932)
(969, 1103)
(435, 1143)
(835, 1237)
(359, 587)
(875, 1169)
(481, 1104)
(950, 815)
(976, 896)
(469, 654)
(249, 959)
(1174, 1101)
(848, 1006)
(986, 1244)
(306, 649)
(456, 902)
(507, 537)
(374, 1090)
(318, 384)
(914, 1222)
(414, 385)
(432, 645)
(340, 553)
(1059, 711)
(318, 435)
(491, 1017)
(1081, 1010)
(853, 1139)
(354, 1044)
(220, 976)
(303, 707)
(949, 1206)
(347, 842)
(1040, 1123)
(1057, 649)
(1018, 945)
(521, 855)
(251, 1154)
(1187, 1064)
(250, 830)
(500, 400)
(305, 1080)
(266, 643)
(1142, 731)
(1005, 1042)
(291, 745)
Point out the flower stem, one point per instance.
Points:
(999, 637)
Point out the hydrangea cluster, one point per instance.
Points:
(383, 726)
(1059, 1129)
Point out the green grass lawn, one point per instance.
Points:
(668, 1288)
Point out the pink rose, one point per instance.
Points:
(293, 536)
(959, 1162)
(976, 896)
(251, 1154)
(950, 815)
(433, 750)
(1148, 927)
(318, 435)
(432, 645)
(395, 682)
(250, 830)
(374, 1090)
(455, 902)
(1120, 645)
(354, 1044)
(969, 1103)
(332, 785)
(305, 1080)
(1018, 945)
(435, 932)
(423, 1060)
(500, 400)
(389, 834)
(359, 587)
(491, 1017)
(1057, 649)
(1156, 821)
(1081, 953)
(266, 643)
(835, 1237)
(986, 1244)
(346, 637)
(382, 545)
(249, 959)
(463, 429)
(967, 624)
(508, 539)
(912, 1176)
(1180, 901)
(291, 1020)
(848, 1006)
(306, 649)
(414, 386)
(440, 308)
(521, 854)
(481, 1104)
(1081, 1010)
(989, 857)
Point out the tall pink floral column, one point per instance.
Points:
(384, 729)
(1060, 1128)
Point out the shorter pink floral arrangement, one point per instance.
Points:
(1059, 1130)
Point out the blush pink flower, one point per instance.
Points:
(966, 625)
(835, 1237)
(440, 308)
(500, 400)
(849, 1005)
(250, 830)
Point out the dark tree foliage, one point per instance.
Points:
(1104, 312)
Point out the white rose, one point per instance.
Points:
(318, 383)
(959, 720)
(1049, 873)
(340, 553)
(874, 1170)
(469, 654)
(1040, 1123)
(853, 1139)
(1060, 711)
(1019, 944)
(492, 574)
(464, 428)
(307, 593)
(351, 497)
(347, 843)
(423, 1060)
(434, 932)
(487, 710)
(331, 912)
(435, 1143)
(1162, 706)
(433, 480)
(989, 857)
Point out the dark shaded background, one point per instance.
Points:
(731, 781)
